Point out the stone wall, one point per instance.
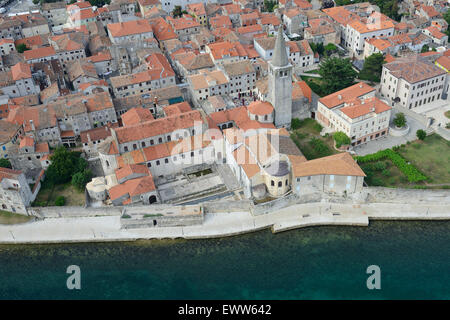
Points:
(228, 206)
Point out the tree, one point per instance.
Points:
(176, 12)
(373, 65)
(80, 179)
(421, 134)
(4, 163)
(22, 47)
(317, 47)
(330, 48)
(447, 19)
(336, 74)
(341, 139)
(425, 48)
(64, 165)
(269, 5)
(60, 201)
(400, 120)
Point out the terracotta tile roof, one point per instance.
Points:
(173, 148)
(136, 115)
(122, 29)
(430, 11)
(346, 94)
(270, 19)
(26, 142)
(177, 108)
(220, 21)
(219, 50)
(162, 30)
(157, 127)
(341, 15)
(159, 66)
(39, 53)
(435, 33)
(363, 27)
(444, 61)
(246, 161)
(100, 56)
(413, 69)
(32, 42)
(6, 173)
(389, 58)
(341, 164)
(183, 23)
(196, 8)
(300, 89)
(357, 108)
(232, 8)
(205, 79)
(20, 71)
(133, 187)
(42, 147)
(380, 44)
(100, 133)
(131, 169)
(303, 4)
(260, 108)
(249, 29)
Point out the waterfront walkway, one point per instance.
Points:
(108, 228)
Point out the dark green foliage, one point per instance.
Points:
(317, 47)
(4, 163)
(387, 7)
(22, 47)
(336, 74)
(64, 165)
(60, 201)
(330, 48)
(411, 172)
(425, 48)
(341, 139)
(372, 68)
(421, 134)
(320, 148)
(80, 179)
(295, 123)
(400, 120)
(269, 5)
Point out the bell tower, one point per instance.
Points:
(280, 83)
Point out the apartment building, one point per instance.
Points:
(412, 82)
(208, 83)
(356, 112)
(241, 75)
(133, 31)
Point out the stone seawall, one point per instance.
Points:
(108, 228)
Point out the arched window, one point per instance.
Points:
(280, 184)
(287, 181)
(107, 163)
(272, 183)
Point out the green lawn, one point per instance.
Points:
(308, 139)
(315, 84)
(47, 195)
(431, 156)
(7, 217)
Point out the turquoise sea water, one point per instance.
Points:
(311, 263)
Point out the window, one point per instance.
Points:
(280, 184)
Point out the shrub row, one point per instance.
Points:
(407, 169)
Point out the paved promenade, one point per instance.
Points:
(107, 228)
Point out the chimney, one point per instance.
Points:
(32, 125)
(372, 109)
(339, 97)
(360, 85)
(89, 138)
